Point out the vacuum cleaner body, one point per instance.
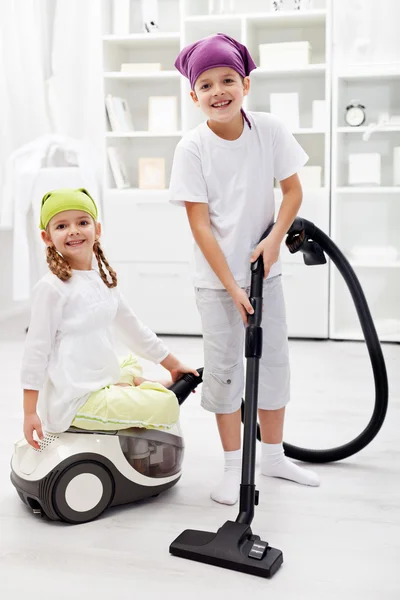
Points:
(76, 475)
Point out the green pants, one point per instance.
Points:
(149, 405)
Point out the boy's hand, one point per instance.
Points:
(32, 423)
(269, 249)
(242, 303)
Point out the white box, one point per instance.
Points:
(120, 17)
(140, 67)
(365, 169)
(310, 176)
(396, 165)
(163, 113)
(286, 107)
(319, 115)
(284, 54)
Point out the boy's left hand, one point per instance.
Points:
(269, 249)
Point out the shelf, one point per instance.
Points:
(137, 76)
(310, 70)
(367, 190)
(363, 129)
(384, 71)
(142, 39)
(294, 17)
(359, 264)
(142, 134)
(308, 131)
(300, 18)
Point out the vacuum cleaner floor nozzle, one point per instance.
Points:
(233, 547)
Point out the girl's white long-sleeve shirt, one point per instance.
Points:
(69, 351)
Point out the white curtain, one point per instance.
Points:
(50, 73)
(76, 86)
(23, 111)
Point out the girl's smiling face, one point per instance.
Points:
(73, 234)
(219, 92)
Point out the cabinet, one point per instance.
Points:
(365, 215)
(148, 240)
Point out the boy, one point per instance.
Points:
(223, 173)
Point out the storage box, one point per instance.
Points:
(285, 54)
(163, 113)
(396, 165)
(140, 67)
(310, 177)
(286, 107)
(365, 169)
(319, 115)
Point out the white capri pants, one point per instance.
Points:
(223, 338)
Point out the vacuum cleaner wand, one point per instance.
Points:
(234, 546)
(253, 350)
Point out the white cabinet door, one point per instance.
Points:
(306, 298)
(161, 295)
(146, 228)
(149, 244)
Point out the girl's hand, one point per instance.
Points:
(180, 369)
(32, 423)
(269, 249)
(242, 303)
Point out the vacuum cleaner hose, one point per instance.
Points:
(306, 237)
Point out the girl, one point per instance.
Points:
(69, 362)
(223, 172)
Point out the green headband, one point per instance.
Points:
(66, 199)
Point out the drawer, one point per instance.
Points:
(161, 295)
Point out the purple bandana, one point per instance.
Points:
(217, 50)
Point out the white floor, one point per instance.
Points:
(339, 541)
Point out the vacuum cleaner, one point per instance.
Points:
(76, 475)
(234, 546)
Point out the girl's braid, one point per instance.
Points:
(57, 264)
(99, 254)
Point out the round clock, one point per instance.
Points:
(355, 114)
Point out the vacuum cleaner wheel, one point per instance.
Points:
(82, 492)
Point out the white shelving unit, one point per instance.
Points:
(149, 241)
(364, 218)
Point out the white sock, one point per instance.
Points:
(227, 492)
(275, 464)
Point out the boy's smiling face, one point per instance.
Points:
(219, 92)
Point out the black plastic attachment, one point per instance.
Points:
(233, 547)
(186, 384)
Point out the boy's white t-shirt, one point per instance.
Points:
(236, 180)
